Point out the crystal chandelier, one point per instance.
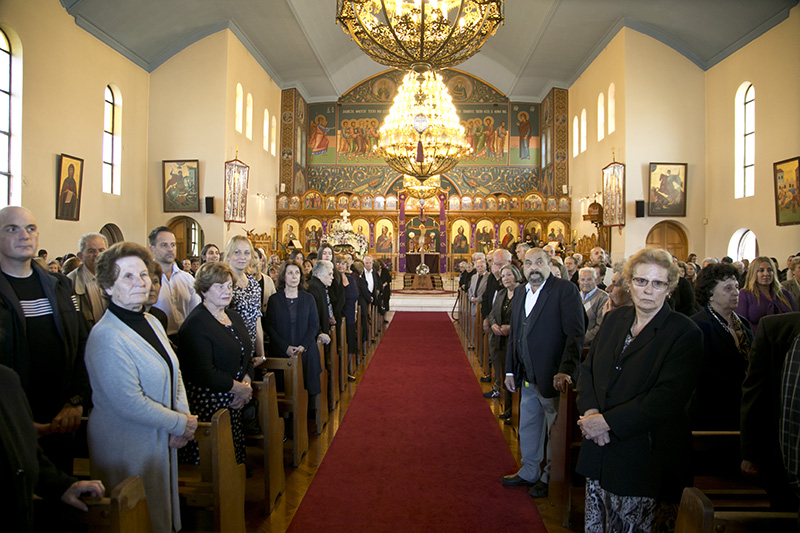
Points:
(400, 33)
(422, 135)
(421, 189)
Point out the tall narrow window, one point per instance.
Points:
(576, 139)
(265, 140)
(612, 108)
(111, 151)
(273, 136)
(601, 117)
(745, 143)
(239, 107)
(5, 120)
(249, 124)
(583, 130)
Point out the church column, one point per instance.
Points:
(442, 234)
(401, 233)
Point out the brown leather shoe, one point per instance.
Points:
(513, 480)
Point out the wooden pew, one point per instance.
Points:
(124, 512)
(697, 514)
(321, 399)
(563, 447)
(487, 360)
(344, 355)
(293, 401)
(332, 357)
(218, 482)
(270, 440)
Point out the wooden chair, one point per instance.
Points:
(218, 482)
(293, 401)
(321, 399)
(270, 440)
(697, 514)
(124, 512)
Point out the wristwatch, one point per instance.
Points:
(75, 401)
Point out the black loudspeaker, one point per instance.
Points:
(639, 208)
(210, 204)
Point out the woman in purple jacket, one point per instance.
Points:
(762, 294)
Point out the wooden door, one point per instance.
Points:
(670, 237)
(180, 227)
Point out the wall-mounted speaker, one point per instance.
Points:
(210, 204)
(639, 208)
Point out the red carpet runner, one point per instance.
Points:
(418, 449)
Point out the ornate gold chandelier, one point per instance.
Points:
(421, 189)
(401, 33)
(422, 135)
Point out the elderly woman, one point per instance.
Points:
(350, 291)
(500, 322)
(293, 324)
(633, 389)
(558, 269)
(209, 254)
(215, 352)
(727, 340)
(763, 294)
(246, 299)
(141, 415)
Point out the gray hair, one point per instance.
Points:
(578, 257)
(86, 237)
(320, 266)
(478, 255)
(592, 271)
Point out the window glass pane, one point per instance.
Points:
(108, 124)
(107, 145)
(109, 96)
(750, 117)
(750, 94)
(4, 186)
(4, 42)
(106, 178)
(5, 121)
(116, 185)
(749, 149)
(749, 180)
(5, 72)
(3, 152)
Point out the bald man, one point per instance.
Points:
(44, 336)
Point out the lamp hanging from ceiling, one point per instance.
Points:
(422, 135)
(421, 189)
(401, 33)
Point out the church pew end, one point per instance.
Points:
(697, 514)
(293, 401)
(270, 440)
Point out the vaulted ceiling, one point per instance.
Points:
(543, 43)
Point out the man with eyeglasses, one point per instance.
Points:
(544, 348)
(43, 337)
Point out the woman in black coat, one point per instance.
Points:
(293, 324)
(632, 390)
(727, 339)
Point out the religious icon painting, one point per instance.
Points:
(366, 202)
(667, 190)
(342, 202)
(509, 231)
(181, 186)
(283, 202)
(477, 203)
(289, 230)
(294, 203)
(551, 204)
(514, 203)
(69, 183)
(556, 232)
(533, 231)
(787, 197)
(466, 203)
(502, 203)
(563, 204)
(459, 241)
(380, 202)
(454, 203)
(391, 203)
(236, 187)
(355, 202)
(312, 233)
(614, 194)
(491, 203)
(484, 236)
(330, 203)
(384, 242)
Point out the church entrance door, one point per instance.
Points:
(671, 237)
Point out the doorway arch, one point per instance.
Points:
(669, 236)
(112, 233)
(189, 237)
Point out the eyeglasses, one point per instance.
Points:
(657, 284)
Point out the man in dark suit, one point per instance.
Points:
(497, 260)
(544, 347)
(761, 407)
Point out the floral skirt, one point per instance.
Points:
(204, 403)
(607, 512)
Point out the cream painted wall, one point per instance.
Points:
(65, 72)
(771, 64)
(585, 170)
(665, 122)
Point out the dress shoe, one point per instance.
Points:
(491, 394)
(351, 378)
(538, 490)
(504, 416)
(486, 379)
(508, 422)
(513, 480)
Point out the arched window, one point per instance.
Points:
(576, 140)
(5, 120)
(266, 131)
(612, 109)
(745, 143)
(583, 130)
(273, 136)
(249, 124)
(239, 106)
(601, 117)
(112, 114)
(743, 245)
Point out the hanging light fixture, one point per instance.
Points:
(400, 33)
(422, 135)
(421, 189)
